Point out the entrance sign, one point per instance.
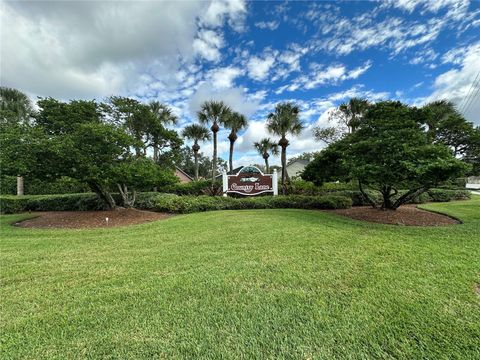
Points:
(250, 181)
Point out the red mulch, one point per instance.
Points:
(90, 219)
(405, 215)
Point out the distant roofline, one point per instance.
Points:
(183, 172)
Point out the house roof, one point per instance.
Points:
(235, 171)
(183, 172)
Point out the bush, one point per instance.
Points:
(190, 204)
(443, 195)
(63, 185)
(10, 204)
(302, 187)
(191, 188)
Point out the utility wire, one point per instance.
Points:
(472, 98)
(467, 98)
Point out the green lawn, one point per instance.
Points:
(254, 284)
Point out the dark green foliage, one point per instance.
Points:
(70, 202)
(192, 188)
(390, 151)
(190, 204)
(63, 185)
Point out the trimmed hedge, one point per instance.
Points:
(10, 204)
(63, 185)
(190, 204)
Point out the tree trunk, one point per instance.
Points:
(214, 129)
(232, 137)
(267, 167)
(128, 199)
(155, 153)
(409, 195)
(230, 157)
(195, 155)
(366, 196)
(20, 188)
(103, 195)
(284, 143)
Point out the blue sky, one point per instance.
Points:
(252, 55)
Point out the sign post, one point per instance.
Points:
(250, 181)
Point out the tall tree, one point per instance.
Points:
(283, 121)
(389, 153)
(235, 122)
(15, 106)
(347, 118)
(15, 111)
(214, 113)
(265, 147)
(196, 133)
(156, 131)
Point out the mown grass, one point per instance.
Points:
(253, 284)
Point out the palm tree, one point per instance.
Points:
(162, 115)
(264, 147)
(235, 122)
(196, 133)
(284, 120)
(353, 112)
(215, 113)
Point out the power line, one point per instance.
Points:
(474, 95)
(467, 98)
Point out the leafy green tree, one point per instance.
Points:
(159, 136)
(283, 121)
(77, 141)
(390, 152)
(214, 113)
(235, 122)
(15, 114)
(147, 124)
(15, 106)
(132, 175)
(265, 147)
(347, 118)
(196, 133)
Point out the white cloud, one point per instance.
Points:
(321, 75)
(75, 49)
(208, 44)
(220, 10)
(90, 49)
(259, 67)
(456, 84)
(270, 25)
(224, 77)
(236, 98)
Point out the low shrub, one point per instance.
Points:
(10, 204)
(192, 188)
(302, 187)
(443, 195)
(190, 204)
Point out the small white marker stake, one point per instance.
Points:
(106, 219)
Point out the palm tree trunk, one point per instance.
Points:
(267, 168)
(230, 157)
(214, 160)
(284, 169)
(195, 155)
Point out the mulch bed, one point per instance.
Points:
(90, 219)
(405, 215)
